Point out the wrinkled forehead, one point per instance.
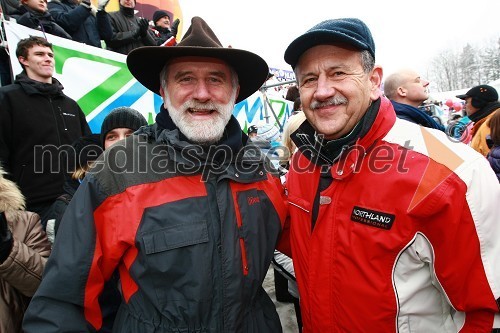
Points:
(196, 64)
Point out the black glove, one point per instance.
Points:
(143, 26)
(174, 27)
(6, 239)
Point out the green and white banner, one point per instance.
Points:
(99, 81)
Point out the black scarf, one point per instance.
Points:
(484, 112)
(50, 89)
(328, 151)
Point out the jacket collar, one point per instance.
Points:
(376, 123)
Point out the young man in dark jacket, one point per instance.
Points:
(82, 21)
(36, 120)
(183, 208)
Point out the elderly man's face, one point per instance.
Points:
(334, 90)
(199, 97)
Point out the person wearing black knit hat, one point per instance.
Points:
(480, 104)
(164, 31)
(119, 124)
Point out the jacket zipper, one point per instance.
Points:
(55, 120)
(244, 259)
(62, 116)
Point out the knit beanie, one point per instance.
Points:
(159, 14)
(122, 117)
(268, 132)
(83, 150)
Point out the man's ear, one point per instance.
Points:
(376, 80)
(237, 93)
(401, 91)
(22, 60)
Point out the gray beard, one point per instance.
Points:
(203, 132)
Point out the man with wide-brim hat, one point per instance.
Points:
(188, 217)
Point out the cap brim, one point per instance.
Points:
(318, 37)
(462, 96)
(145, 64)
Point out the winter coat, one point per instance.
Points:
(35, 115)
(192, 235)
(79, 22)
(494, 159)
(10, 7)
(480, 130)
(162, 35)
(21, 272)
(404, 241)
(39, 21)
(124, 38)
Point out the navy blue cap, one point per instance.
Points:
(351, 31)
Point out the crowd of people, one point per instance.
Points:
(376, 218)
(79, 20)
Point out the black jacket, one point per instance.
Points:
(79, 22)
(125, 38)
(192, 250)
(39, 21)
(32, 115)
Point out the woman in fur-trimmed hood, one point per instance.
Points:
(24, 250)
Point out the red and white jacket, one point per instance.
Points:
(407, 237)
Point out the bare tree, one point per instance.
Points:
(473, 65)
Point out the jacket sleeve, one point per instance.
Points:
(466, 263)
(119, 37)
(70, 20)
(149, 39)
(104, 25)
(67, 296)
(5, 135)
(24, 266)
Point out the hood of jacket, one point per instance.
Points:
(32, 87)
(11, 197)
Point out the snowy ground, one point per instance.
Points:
(286, 311)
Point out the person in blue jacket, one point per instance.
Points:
(82, 21)
(407, 90)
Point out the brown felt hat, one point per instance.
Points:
(145, 63)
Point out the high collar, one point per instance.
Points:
(36, 87)
(321, 151)
(128, 12)
(484, 112)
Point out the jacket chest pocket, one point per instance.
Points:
(177, 261)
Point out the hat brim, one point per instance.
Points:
(318, 37)
(145, 64)
(464, 97)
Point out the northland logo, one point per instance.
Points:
(373, 218)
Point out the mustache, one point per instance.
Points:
(335, 100)
(197, 105)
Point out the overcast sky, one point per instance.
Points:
(406, 33)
